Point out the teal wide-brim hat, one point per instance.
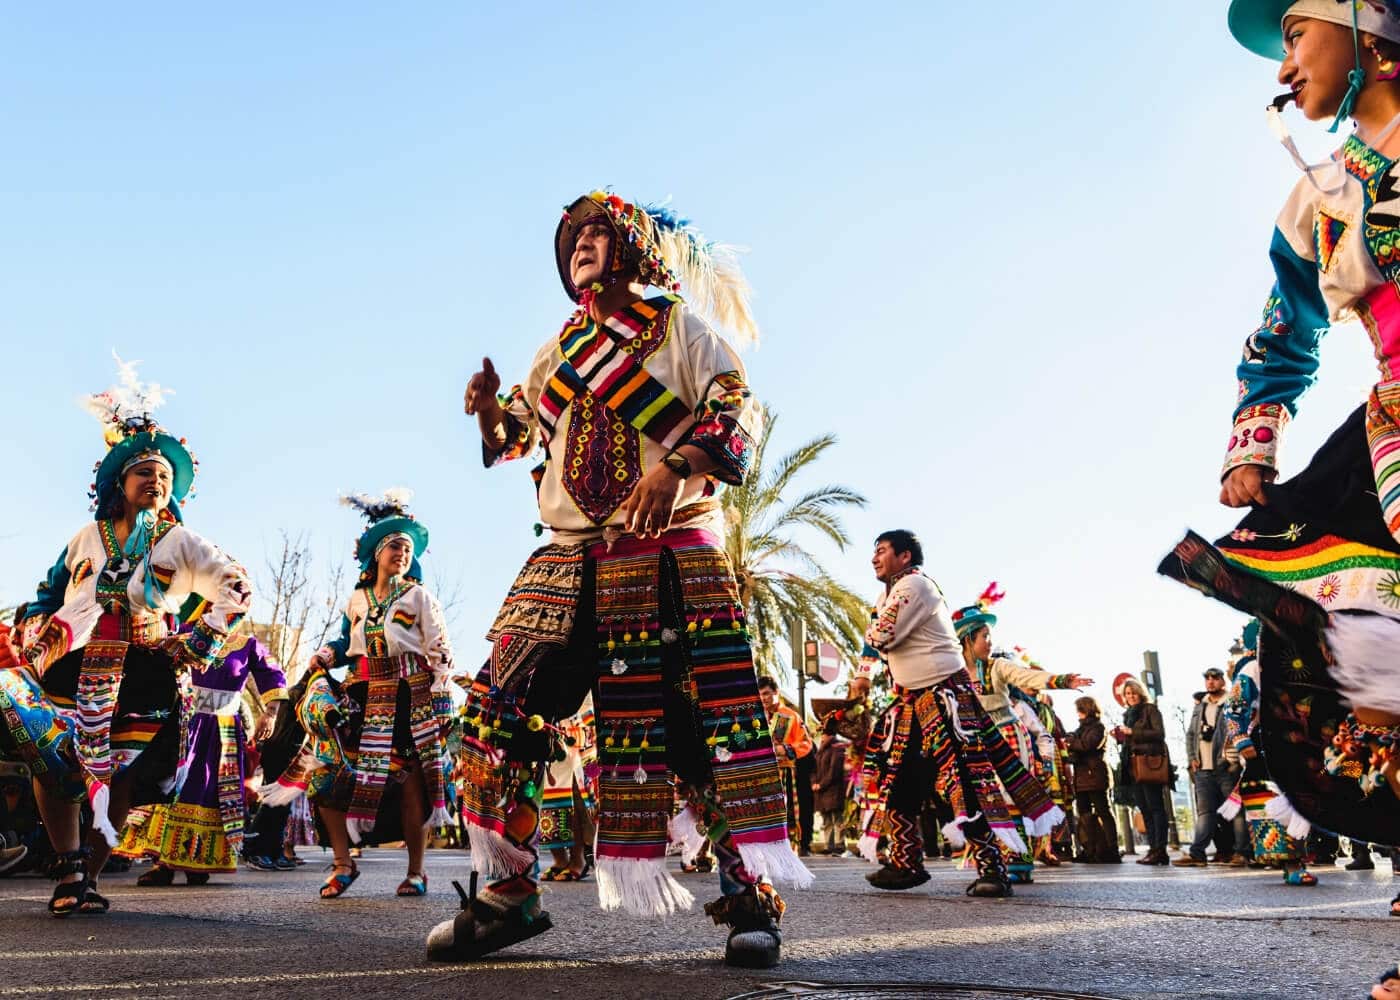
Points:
(140, 447)
(968, 620)
(1258, 24)
(380, 530)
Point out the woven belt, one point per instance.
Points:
(388, 668)
(212, 701)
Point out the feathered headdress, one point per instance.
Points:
(973, 617)
(394, 502)
(387, 515)
(669, 253)
(133, 436)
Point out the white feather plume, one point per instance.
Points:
(394, 501)
(711, 280)
(129, 399)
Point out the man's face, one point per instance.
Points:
(1215, 684)
(859, 687)
(592, 250)
(887, 563)
(769, 697)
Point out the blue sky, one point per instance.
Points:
(1007, 255)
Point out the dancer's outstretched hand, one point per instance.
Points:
(481, 390)
(1244, 486)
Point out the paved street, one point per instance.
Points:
(1126, 932)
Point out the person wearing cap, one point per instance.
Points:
(395, 639)
(643, 414)
(994, 678)
(1214, 775)
(1317, 557)
(96, 711)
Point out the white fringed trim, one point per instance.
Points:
(1232, 806)
(101, 797)
(277, 794)
(181, 773)
(1008, 836)
(952, 830)
(869, 848)
(640, 886)
(1045, 824)
(1280, 809)
(440, 817)
(494, 856)
(776, 861)
(357, 828)
(684, 831)
(1365, 666)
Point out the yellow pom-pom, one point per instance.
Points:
(626, 636)
(758, 723)
(645, 744)
(707, 623)
(611, 645)
(483, 733)
(609, 742)
(534, 723)
(645, 635)
(691, 627)
(712, 740)
(736, 727)
(626, 741)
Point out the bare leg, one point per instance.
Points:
(582, 834)
(61, 821)
(338, 834)
(117, 808)
(412, 809)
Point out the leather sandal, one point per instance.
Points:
(340, 881)
(94, 901)
(68, 896)
(415, 884)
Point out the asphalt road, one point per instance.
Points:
(1123, 932)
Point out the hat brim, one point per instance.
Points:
(583, 207)
(376, 532)
(1258, 25)
(181, 462)
(969, 624)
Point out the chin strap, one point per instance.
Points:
(1356, 79)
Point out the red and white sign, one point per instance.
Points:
(823, 661)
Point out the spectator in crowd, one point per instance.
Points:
(794, 749)
(1146, 765)
(1213, 776)
(829, 786)
(1098, 837)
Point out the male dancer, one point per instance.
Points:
(935, 739)
(642, 411)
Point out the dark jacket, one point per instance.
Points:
(1086, 746)
(1193, 736)
(830, 778)
(1146, 734)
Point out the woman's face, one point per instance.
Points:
(146, 486)
(1318, 55)
(1083, 715)
(1131, 695)
(982, 643)
(395, 557)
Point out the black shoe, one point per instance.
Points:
(990, 888)
(896, 879)
(753, 916)
(456, 940)
(1361, 865)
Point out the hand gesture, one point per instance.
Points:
(1075, 681)
(264, 727)
(481, 390)
(1244, 486)
(647, 512)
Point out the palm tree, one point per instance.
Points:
(780, 581)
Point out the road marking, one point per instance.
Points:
(20, 956)
(286, 977)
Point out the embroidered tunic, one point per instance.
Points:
(595, 453)
(913, 630)
(410, 621)
(80, 586)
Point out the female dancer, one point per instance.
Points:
(1317, 558)
(97, 709)
(992, 678)
(394, 632)
(201, 831)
